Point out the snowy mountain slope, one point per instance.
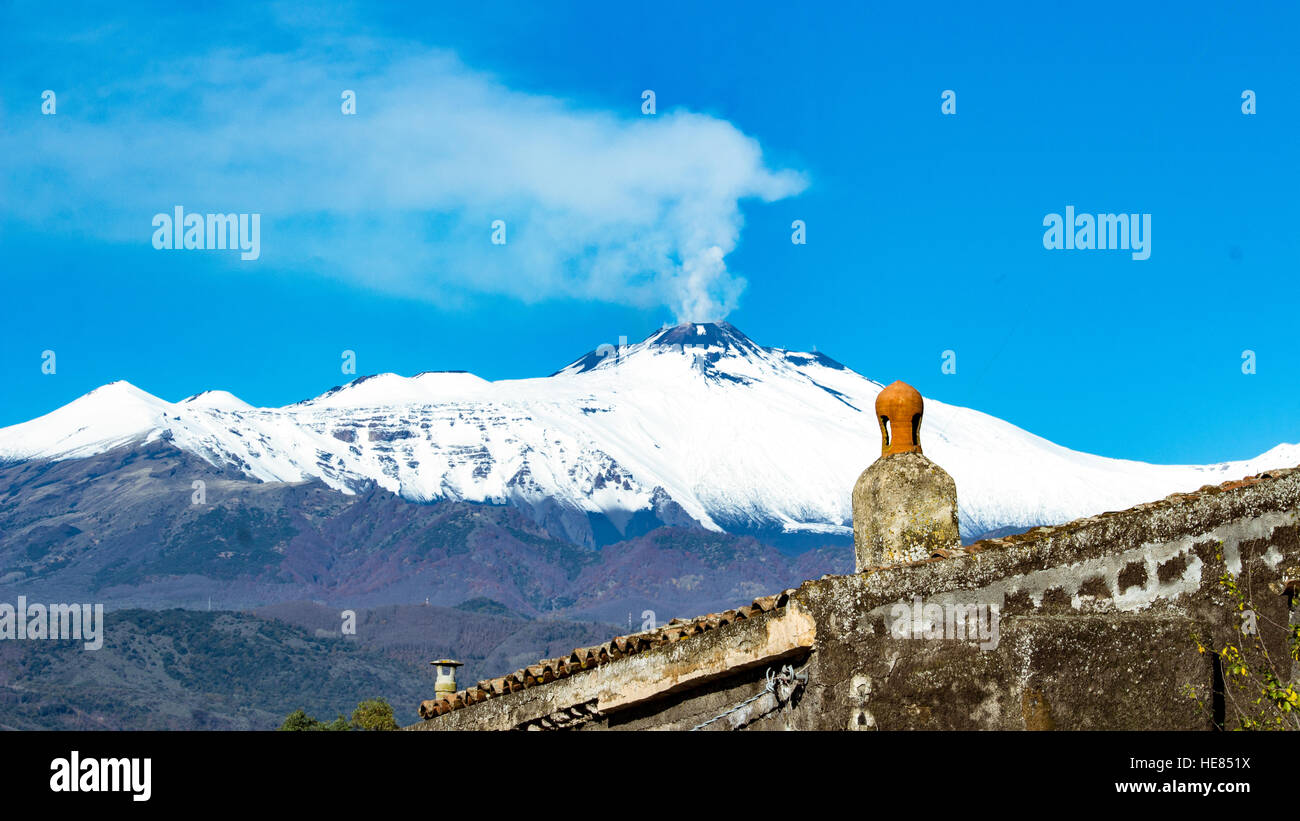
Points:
(696, 418)
(217, 400)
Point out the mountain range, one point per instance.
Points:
(695, 426)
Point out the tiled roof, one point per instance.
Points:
(586, 658)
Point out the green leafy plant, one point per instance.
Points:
(1254, 693)
(374, 714)
(299, 721)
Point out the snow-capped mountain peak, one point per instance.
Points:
(109, 416)
(694, 422)
(717, 351)
(217, 400)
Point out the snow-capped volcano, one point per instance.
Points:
(696, 421)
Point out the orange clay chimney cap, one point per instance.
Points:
(898, 410)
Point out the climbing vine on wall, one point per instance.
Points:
(1259, 690)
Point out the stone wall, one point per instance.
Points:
(1094, 631)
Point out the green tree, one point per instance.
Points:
(299, 721)
(374, 714)
(337, 725)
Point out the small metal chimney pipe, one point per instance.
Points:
(904, 505)
(444, 682)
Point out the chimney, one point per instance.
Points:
(904, 505)
(444, 683)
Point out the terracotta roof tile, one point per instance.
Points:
(586, 658)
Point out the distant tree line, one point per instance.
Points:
(373, 714)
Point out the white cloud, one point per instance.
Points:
(618, 207)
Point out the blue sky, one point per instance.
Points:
(924, 231)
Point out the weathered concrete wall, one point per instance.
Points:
(904, 509)
(1096, 621)
(1094, 631)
